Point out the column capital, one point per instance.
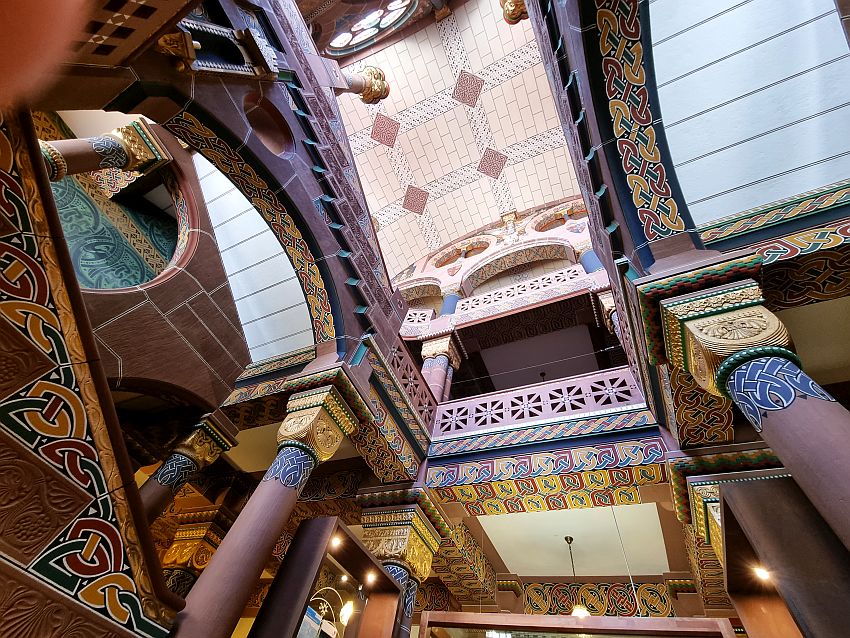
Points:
(317, 420)
(205, 443)
(401, 534)
(606, 304)
(370, 84)
(444, 345)
(144, 150)
(704, 329)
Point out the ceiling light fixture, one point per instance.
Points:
(370, 578)
(579, 610)
(336, 541)
(761, 573)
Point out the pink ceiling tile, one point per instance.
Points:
(385, 130)
(467, 88)
(415, 200)
(492, 163)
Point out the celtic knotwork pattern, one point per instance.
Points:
(409, 595)
(51, 407)
(175, 471)
(819, 276)
(401, 575)
(292, 467)
(768, 384)
(701, 418)
(600, 599)
(110, 151)
(618, 23)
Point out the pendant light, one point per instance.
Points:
(579, 610)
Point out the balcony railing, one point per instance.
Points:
(549, 280)
(564, 399)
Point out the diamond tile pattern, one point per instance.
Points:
(468, 132)
(415, 200)
(385, 130)
(468, 88)
(492, 163)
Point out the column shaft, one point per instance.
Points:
(447, 388)
(806, 428)
(435, 371)
(215, 603)
(158, 491)
(402, 575)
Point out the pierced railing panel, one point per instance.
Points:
(549, 280)
(598, 392)
(413, 384)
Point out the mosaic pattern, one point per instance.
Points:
(539, 433)
(191, 130)
(701, 418)
(769, 384)
(601, 599)
(778, 212)
(620, 44)
(51, 408)
(577, 490)
(682, 467)
(603, 456)
(818, 276)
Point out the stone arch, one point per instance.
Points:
(420, 288)
(514, 256)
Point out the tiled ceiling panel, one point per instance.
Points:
(468, 133)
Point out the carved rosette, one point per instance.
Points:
(703, 329)
(442, 346)
(403, 535)
(317, 420)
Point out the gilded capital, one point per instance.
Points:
(199, 446)
(317, 419)
(514, 11)
(402, 534)
(703, 329)
(376, 87)
(442, 346)
(143, 148)
(606, 304)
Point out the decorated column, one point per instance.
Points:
(198, 535)
(134, 147)
(200, 448)
(403, 539)
(734, 347)
(451, 295)
(440, 358)
(312, 431)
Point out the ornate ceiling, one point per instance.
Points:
(469, 132)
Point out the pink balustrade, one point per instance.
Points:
(598, 392)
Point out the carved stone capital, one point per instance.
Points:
(402, 534)
(703, 329)
(317, 419)
(200, 447)
(442, 346)
(144, 150)
(514, 11)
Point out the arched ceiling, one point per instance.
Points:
(754, 98)
(468, 133)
